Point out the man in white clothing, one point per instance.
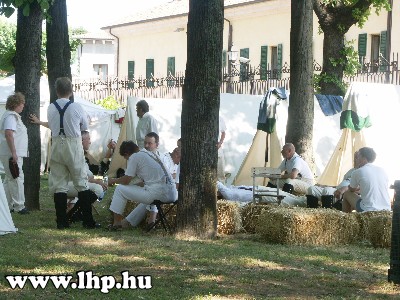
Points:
(369, 185)
(147, 123)
(295, 170)
(319, 191)
(158, 184)
(66, 120)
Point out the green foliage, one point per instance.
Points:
(109, 103)
(7, 46)
(7, 7)
(328, 78)
(74, 42)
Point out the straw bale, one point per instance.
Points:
(364, 220)
(250, 214)
(229, 219)
(301, 226)
(380, 228)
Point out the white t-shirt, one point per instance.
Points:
(142, 165)
(296, 162)
(10, 123)
(374, 187)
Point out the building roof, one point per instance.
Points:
(174, 8)
(95, 35)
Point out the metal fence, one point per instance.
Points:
(245, 80)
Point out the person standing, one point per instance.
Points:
(146, 124)
(369, 185)
(66, 120)
(14, 146)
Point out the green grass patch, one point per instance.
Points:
(229, 267)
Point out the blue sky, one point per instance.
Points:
(93, 14)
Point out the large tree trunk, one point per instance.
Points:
(27, 81)
(57, 48)
(197, 211)
(332, 73)
(299, 129)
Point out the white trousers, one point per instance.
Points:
(299, 186)
(67, 163)
(14, 188)
(318, 191)
(146, 195)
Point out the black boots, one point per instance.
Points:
(60, 203)
(85, 199)
(75, 213)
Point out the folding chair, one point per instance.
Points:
(162, 216)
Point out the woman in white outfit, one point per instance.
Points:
(6, 222)
(14, 145)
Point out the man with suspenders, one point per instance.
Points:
(66, 121)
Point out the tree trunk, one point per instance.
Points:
(27, 81)
(299, 129)
(332, 74)
(197, 210)
(58, 51)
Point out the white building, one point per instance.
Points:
(154, 42)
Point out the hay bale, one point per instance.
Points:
(380, 229)
(250, 214)
(229, 219)
(301, 226)
(364, 220)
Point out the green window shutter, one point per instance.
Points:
(149, 71)
(131, 73)
(362, 44)
(170, 70)
(383, 51)
(244, 67)
(280, 58)
(264, 63)
(224, 59)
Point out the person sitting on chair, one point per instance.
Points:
(158, 184)
(295, 171)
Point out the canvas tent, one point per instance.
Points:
(326, 133)
(102, 124)
(380, 105)
(240, 113)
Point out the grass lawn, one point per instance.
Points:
(230, 267)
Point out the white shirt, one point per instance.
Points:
(374, 184)
(148, 169)
(296, 162)
(145, 125)
(169, 164)
(346, 179)
(75, 119)
(10, 123)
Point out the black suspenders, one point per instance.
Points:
(61, 112)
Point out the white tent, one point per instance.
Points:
(240, 113)
(102, 124)
(326, 133)
(381, 102)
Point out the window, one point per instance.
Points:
(149, 72)
(375, 42)
(276, 61)
(100, 70)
